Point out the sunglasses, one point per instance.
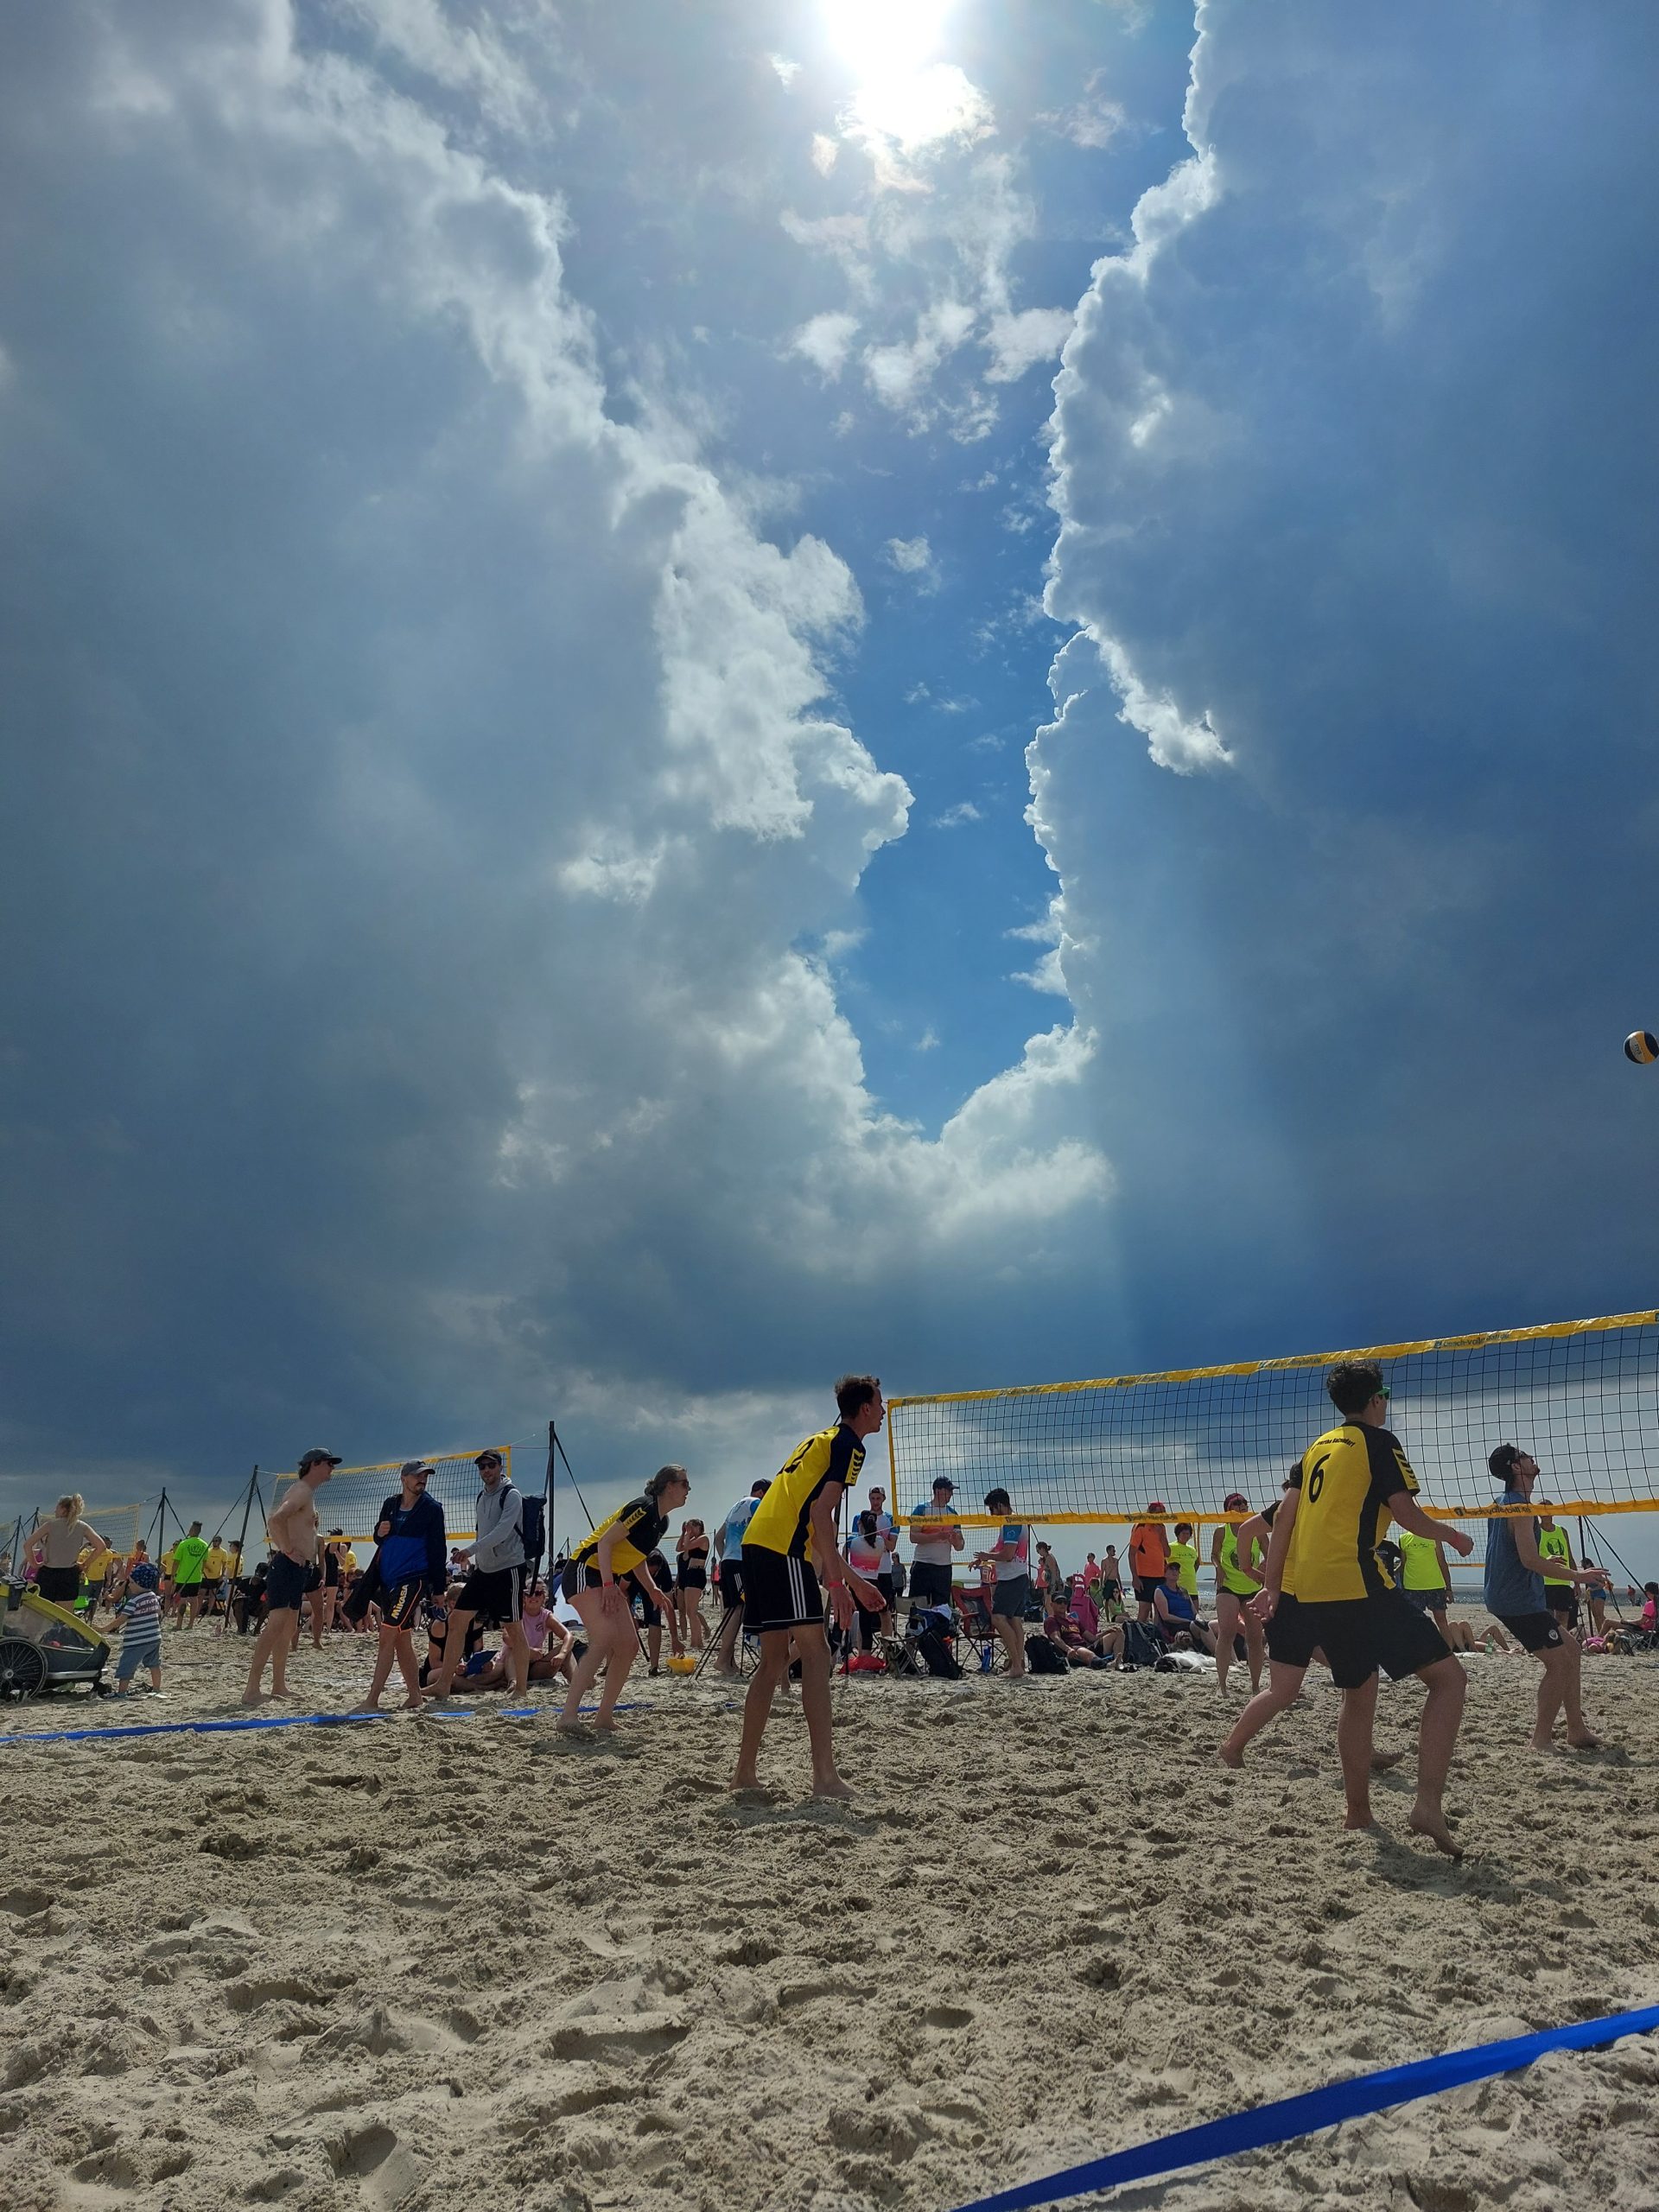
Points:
(1385, 1392)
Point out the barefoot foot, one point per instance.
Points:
(1229, 1759)
(831, 1785)
(1430, 1821)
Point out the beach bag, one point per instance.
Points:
(867, 1663)
(934, 1651)
(1042, 1658)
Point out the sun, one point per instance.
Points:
(884, 40)
(903, 96)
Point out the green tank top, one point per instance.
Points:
(1233, 1576)
(1553, 1544)
(1419, 1562)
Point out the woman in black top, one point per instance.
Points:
(595, 1581)
(691, 1580)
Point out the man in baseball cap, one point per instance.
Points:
(938, 1534)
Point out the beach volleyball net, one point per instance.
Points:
(1581, 1396)
(353, 1496)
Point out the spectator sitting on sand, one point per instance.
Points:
(1176, 1614)
(1063, 1632)
(551, 1643)
(1084, 1609)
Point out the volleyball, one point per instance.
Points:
(1642, 1046)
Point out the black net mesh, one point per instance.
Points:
(1581, 1396)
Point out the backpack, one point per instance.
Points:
(1042, 1659)
(934, 1651)
(532, 1527)
(1143, 1649)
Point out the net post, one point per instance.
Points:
(547, 1501)
(247, 1507)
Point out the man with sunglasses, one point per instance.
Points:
(1324, 1589)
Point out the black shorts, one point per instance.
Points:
(930, 1582)
(400, 1607)
(187, 1590)
(779, 1591)
(1010, 1600)
(728, 1580)
(285, 1585)
(499, 1591)
(1533, 1631)
(1145, 1585)
(692, 1578)
(886, 1584)
(1357, 1636)
(59, 1586)
(1429, 1601)
(1562, 1603)
(651, 1598)
(330, 1571)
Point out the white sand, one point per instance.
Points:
(434, 1962)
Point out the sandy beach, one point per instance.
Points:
(425, 1962)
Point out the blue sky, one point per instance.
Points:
(695, 695)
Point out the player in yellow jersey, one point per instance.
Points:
(1324, 1588)
(789, 1542)
(596, 1579)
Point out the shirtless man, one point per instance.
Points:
(296, 1550)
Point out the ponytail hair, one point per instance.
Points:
(70, 1506)
(663, 1476)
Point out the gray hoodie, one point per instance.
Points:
(500, 1537)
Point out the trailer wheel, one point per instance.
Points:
(22, 1668)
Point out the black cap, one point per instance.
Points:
(943, 1481)
(1503, 1460)
(319, 1459)
(488, 1460)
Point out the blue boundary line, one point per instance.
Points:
(275, 1721)
(1289, 2117)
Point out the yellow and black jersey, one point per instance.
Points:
(779, 1522)
(640, 1528)
(1345, 1482)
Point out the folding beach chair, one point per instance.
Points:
(974, 1614)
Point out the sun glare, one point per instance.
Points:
(885, 39)
(903, 95)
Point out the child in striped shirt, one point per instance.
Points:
(140, 1616)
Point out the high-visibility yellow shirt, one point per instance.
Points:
(1420, 1561)
(1553, 1544)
